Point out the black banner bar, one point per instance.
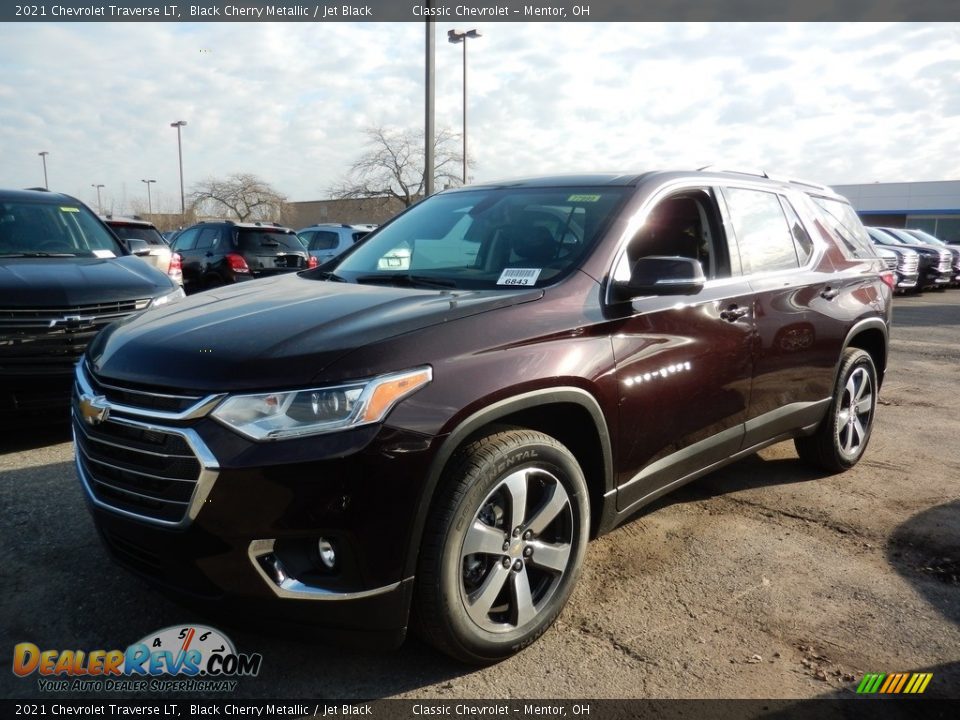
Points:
(853, 708)
(476, 11)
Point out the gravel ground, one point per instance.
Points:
(762, 580)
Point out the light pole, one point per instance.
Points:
(149, 201)
(429, 164)
(455, 37)
(99, 206)
(43, 156)
(183, 206)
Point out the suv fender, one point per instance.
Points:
(879, 354)
(490, 414)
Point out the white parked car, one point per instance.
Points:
(158, 252)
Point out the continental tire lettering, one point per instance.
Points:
(514, 459)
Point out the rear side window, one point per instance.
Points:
(324, 240)
(763, 235)
(358, 236)
(187, 240)
(209, 238)
(801, 238)
(843, 221)
(264, 240)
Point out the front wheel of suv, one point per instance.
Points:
(841, 439)
(503, 545)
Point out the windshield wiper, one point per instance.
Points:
(406, 280)
(37, 254)
(331, 276)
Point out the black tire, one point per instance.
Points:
(475, 504)
(841, 439)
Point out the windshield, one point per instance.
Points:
(35, 229)
(926, 237)
(904, 237)
(486, 238)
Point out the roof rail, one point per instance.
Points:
(39, 189)
(740, 171)
(807, 183)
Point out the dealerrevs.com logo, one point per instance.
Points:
(180, 658)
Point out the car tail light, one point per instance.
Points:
(237, 263)
(312, 262)
(176, 265)
(889, 279)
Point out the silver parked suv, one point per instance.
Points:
(327, 240)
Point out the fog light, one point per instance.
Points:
(328, 556)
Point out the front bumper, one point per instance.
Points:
(258, 507)
(906, 281)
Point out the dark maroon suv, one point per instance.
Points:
(443, 419)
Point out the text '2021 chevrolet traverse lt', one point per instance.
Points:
(339, 446)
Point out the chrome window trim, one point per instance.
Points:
(291, 588)
(715, 184)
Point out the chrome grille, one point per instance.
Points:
(891, 262)
(909, 262)
(150, 483)
(141, 398)
(149, 402)
(946, 261)
(136, 468)
(35, 340)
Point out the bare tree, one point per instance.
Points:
(242, 196)
(393, 165)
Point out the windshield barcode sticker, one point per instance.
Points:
(519, 276)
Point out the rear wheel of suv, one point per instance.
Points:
(503, 545)
(842, 436)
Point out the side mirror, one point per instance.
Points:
(137, 246)
(661, 275)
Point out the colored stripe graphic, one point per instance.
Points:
(894, 683)
(870, 682)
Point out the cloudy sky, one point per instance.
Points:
(833, 103)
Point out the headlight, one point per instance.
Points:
(279, 415)
(168, 298)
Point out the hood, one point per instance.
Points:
(69, 281)
(273, 333)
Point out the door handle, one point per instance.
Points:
(734, 313)
(829, 293)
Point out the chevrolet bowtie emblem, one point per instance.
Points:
(94, 409)
(72, 322)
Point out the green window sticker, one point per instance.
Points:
(583, 198)
(63, 208)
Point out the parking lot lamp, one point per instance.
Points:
(149, 201)
(183, 206)
(455, 37)
(99, 206)
(43, 156)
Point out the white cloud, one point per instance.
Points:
(835, 103)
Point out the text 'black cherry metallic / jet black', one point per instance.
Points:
(443, 417)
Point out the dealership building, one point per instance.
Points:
(930, 206)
